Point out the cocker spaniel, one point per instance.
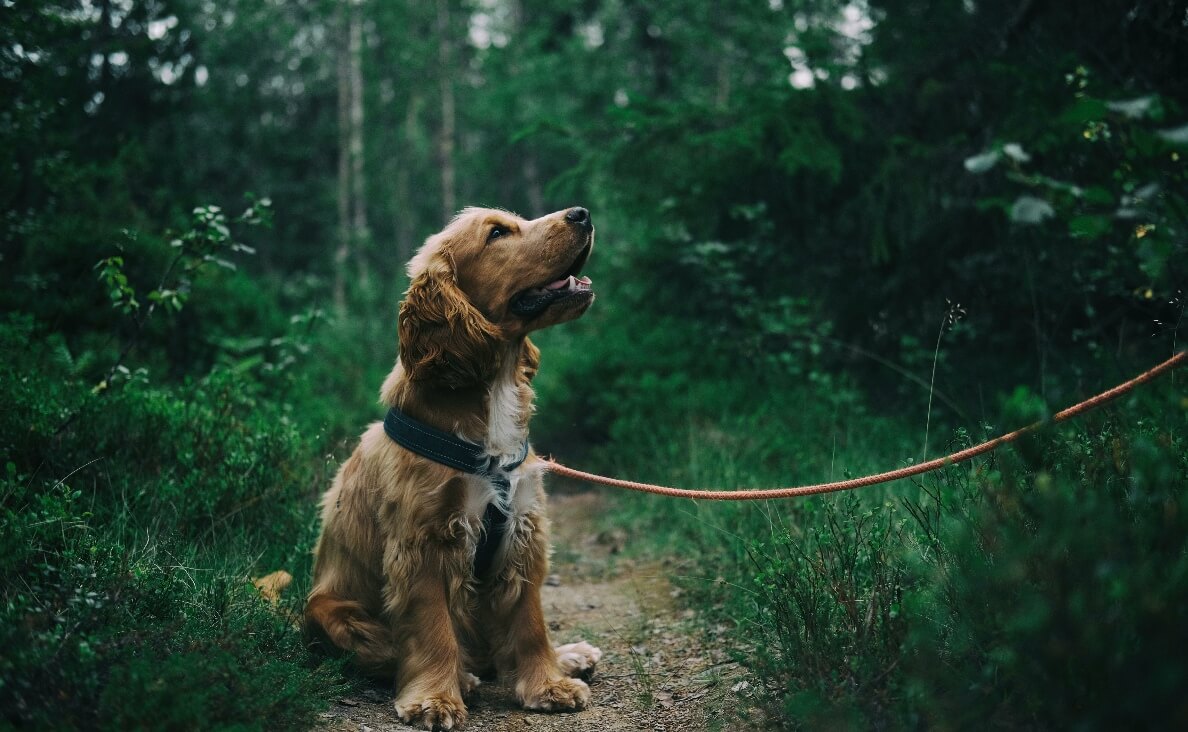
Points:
(434, 540)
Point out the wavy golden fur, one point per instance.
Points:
(394, 580)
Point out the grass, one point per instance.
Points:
(1027, 588)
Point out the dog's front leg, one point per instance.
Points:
(519, 637)
(430, 669)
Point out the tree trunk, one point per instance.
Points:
(352, 189)
(360, 234)
(404, 211)
(103, 36)
(343, 251)
(722, 93)
(533, 187)
(445, 145)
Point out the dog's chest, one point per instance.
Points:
(495, 510)
(516, 497)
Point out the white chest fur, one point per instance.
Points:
(523, 494)
(507, 423)
(523, 497)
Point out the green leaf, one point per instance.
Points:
(1099, 195)
(1086, 109)
(1089, 226)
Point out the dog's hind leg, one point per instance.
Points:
(520, 639)
(348, 627)
(577, 660)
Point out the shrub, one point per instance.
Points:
(126, 542)
(1058, 595)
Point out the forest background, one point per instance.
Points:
(832, 237)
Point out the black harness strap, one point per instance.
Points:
(454, 452)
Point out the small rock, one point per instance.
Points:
(740, 686)
(553, 580)
(364, 728)
(614, 538)
(348, 702)
(554, 625)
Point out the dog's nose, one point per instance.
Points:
(580, 216)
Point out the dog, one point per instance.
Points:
(434, 540)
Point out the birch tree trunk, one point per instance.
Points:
(445, 145)
(360, 233)
(343, 251)
(353, 232)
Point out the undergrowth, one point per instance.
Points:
(156, 457)
(126, 546)
(1045, 585)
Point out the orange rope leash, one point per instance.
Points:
(845, 485)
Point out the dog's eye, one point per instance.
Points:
(496, 232)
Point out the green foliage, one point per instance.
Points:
(1040, 586)
(128, 540)
(1054, 594)
(111, 274)
(1119, 189)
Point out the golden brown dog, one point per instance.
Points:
(395, 576)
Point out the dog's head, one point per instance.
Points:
(488, 278)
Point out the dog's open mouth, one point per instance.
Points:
(570, 283)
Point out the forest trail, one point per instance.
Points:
(657, 672)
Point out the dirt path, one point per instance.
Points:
(654, 673)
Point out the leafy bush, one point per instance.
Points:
(126, 543)
(1055, 588)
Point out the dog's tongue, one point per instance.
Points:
(568, 283)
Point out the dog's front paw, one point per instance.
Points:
(578, 659)
(432, 712)
(557, 695)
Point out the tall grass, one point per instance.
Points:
(1043, 586)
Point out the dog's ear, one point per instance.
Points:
(443, 337)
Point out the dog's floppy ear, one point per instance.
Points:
(443, 337)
